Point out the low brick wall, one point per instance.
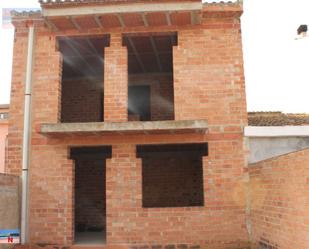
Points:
(9, 202)
(279, 202)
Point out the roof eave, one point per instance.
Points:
(82, 10)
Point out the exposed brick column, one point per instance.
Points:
(116, 81)
(50, 204)
(13, 165)
(123, 193)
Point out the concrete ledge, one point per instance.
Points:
(151, 127)
(277, 131)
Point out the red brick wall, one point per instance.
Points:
(17, 102)
(220, 223)
(208, 75)
(279, 201)
(161, 94)
(82, 100)
(116, 80)
(51, 172)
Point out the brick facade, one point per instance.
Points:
(279, 200)
(161, 93)
(208, 83)
(116, 81)
(82, 100)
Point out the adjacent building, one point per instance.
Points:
(4, 124)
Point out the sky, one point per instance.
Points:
(276, 65)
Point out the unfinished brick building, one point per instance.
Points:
(136, 119)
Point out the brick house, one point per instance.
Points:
(136, 111)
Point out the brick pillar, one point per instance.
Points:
(116, 81)
(123, 193)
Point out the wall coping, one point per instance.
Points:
(135, 127)
(277, 131)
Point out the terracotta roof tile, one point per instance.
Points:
(73, 2)
(55, 3)
(30, 13)
(277, 119)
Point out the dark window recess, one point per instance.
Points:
(90, 199)
(172, 175)
(139, 102)
(150, 76)
(82, 78)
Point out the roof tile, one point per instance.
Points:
(277, 119)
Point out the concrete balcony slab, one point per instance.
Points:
(136, 127)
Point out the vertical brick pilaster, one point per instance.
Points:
(15, 136)
(123, 192)
(50, 204)
(116, 81)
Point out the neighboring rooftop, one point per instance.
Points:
(4, 113)
(277, 119)
(4, 106)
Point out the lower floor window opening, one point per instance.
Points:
(172, 175)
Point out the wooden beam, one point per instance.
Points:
(124, 8)
(121, 21)
(86, 56)
(168, 18)
(98, 22)
(194, 18)
(154, 47)
(50, 25)
(74, 23)
(145, 21)
(137, 56)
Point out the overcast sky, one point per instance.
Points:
(276, 65)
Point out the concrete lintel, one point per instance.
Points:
(123, 8)
(196, 126)
(277, 131)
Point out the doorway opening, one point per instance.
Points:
(90, 194)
